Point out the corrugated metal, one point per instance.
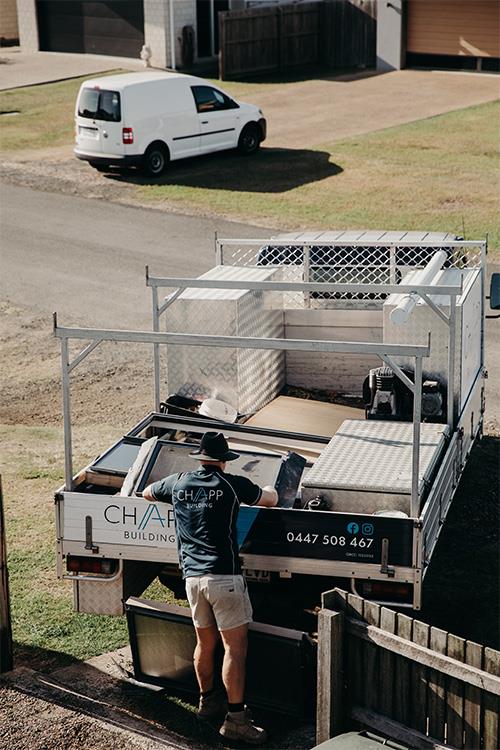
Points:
(454, 27)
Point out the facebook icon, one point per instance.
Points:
(352, 528)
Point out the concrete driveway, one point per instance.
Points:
(309, 113)
(28, 69)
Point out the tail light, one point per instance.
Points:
(128, 135)
(390, 591)
(91, 565)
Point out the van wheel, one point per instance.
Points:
(249, 140)
(99, 167)
(155, 160)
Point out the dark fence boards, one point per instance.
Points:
(336, 33)
(405, 678)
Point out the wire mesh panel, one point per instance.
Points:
(364, 260)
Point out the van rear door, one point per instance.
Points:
(99, 121)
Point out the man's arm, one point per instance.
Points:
(268, 498)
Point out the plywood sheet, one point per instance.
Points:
(304, 415)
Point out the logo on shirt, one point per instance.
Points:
(199, 498)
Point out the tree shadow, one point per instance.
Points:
(271, 170)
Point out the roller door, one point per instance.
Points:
(102, 27)
(454, 28)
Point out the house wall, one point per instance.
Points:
(28, 26)
(8, 20)
(156, 35)
(390, 47)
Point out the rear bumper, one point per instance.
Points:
(263, 128)
(111, 159)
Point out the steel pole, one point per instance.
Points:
(6, 661)
(451, 363)
(156, 349)
(68, 448)
(417, 415)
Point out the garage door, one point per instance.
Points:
(454, 27)
(102, 27)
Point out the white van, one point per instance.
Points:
(148, 119)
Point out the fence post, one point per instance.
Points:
(330, 685)
(6, 663)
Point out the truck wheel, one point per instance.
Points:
(155, 160)
(249, 140)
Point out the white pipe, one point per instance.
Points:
(172, 35)
(401, 313)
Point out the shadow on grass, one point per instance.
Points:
(461, 589)
(271, 170)
(81, 687)
(308, 73)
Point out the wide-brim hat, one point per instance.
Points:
(214, 447)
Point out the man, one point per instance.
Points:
(206, 504)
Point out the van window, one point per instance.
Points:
(210, 100)
(97, 104)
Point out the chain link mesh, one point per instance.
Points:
(345, 264)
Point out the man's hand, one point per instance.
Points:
(148, 495)
(269, 497)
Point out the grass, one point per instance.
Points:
(439, 174)
(46, 630)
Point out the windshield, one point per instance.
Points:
(97, 104)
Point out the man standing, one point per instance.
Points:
(206, 504)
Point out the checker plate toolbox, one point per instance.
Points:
(389, 322)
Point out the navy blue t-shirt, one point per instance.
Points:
(206, 504)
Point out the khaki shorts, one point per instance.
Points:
(220, 600)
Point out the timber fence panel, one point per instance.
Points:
(491, 739)
(349, 33)
(371, 658)
(455, 698)
(402, 695)
(387, 658)
(299, 34)
(419, 680)
(249, 42)
(354, 646)
(330, 687)
(437, 706)
(472, 699)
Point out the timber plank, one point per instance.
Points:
(371, 659)
(330, 681)
(419, 679)
(455, 701)
(386, 661)
(491, 736)
(355, 654)
(437, 714)
(472, 699)
(402, 697)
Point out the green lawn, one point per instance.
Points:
(441, 173)
(438, 174)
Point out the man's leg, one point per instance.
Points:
(234, 664)
(206, 641)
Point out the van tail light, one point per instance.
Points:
(91, 565)
(128, 135)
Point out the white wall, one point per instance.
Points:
(390, 53)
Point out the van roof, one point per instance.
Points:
(124, 80)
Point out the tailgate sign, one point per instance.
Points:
(119, 520)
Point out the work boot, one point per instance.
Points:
(211, 706)
(239, 726)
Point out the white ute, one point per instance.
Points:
(149, 119)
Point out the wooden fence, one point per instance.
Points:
(337, 33)
(400, 677)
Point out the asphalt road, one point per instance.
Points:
(85, 258)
